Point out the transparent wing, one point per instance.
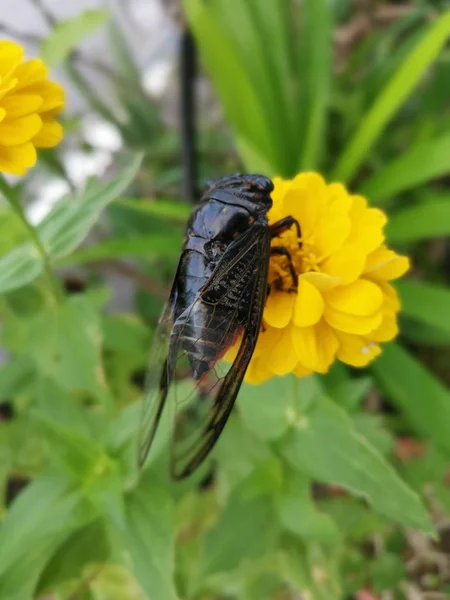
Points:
(186, 353)
(229, 308)
(157, 379)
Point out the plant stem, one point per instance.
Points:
(10, 195)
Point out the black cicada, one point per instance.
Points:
(217, 300)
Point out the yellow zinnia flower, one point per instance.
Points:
(28, 104)
(343, 306)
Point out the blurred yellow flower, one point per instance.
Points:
(343, 306)
(28, 104)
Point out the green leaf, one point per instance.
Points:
(394, 94)
(15, 376)
(267, 418)
(39, 520)
(85, 546)
(66, 35)
(71, 219)
(19, 267)
(148, 540)
(298, 513)
(168, 209)
(63, 229)
(253, 518)
(248, 117)
(309, 570)
(426, 302)
(315, 63)
(419, 222)
(164, 245)
(424, 161)
(386, 572)
(65, 345)
(420, 396)
(325, 445)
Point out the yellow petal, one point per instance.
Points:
(278, 309)
(15, 160)
(388, 328)
(257, 372)
(52, 94)
(361, 325)
(309, 304)
(332, 232)
(20, 105)
(283, 358)
(50, 134)
(11, 54)
(267, 339)
(30, 72)
(7, 85)
(19, 131)
(306, 200)
(390, 295)
(301, 371)
(384, 264)
(367, 225)
(361, 297)
(321, 281)
(346, 264)
(315, 346)
(355, 350)
(339, 200)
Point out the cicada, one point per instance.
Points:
(216, 301)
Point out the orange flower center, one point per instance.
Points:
(302, 256)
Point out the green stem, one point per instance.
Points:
(11, 196)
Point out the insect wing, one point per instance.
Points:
(234, 296)
(157, 379)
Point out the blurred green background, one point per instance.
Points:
(355, 505)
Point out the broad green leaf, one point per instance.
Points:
(387, 571)
(76, 453)
(394, 94)
(19, 267)
(63, 229)
(424, 401)
(246, 529)
(145, 247)
(298, 514)
(16, 375)
(66, 35)
(239, 451)
(65, 344)
(40, 519)
(315, 64)
(425, 335)
(265, 408)
(71, 219)
(87, 545)
(148, 540)
(426, 302)
(325, 445)
(419, 222)
(420, 163)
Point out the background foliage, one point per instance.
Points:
(322, 488)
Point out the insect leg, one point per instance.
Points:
(282, 251)
(283, 225)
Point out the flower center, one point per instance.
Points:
(302, 257)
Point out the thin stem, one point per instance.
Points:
(11, 196)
